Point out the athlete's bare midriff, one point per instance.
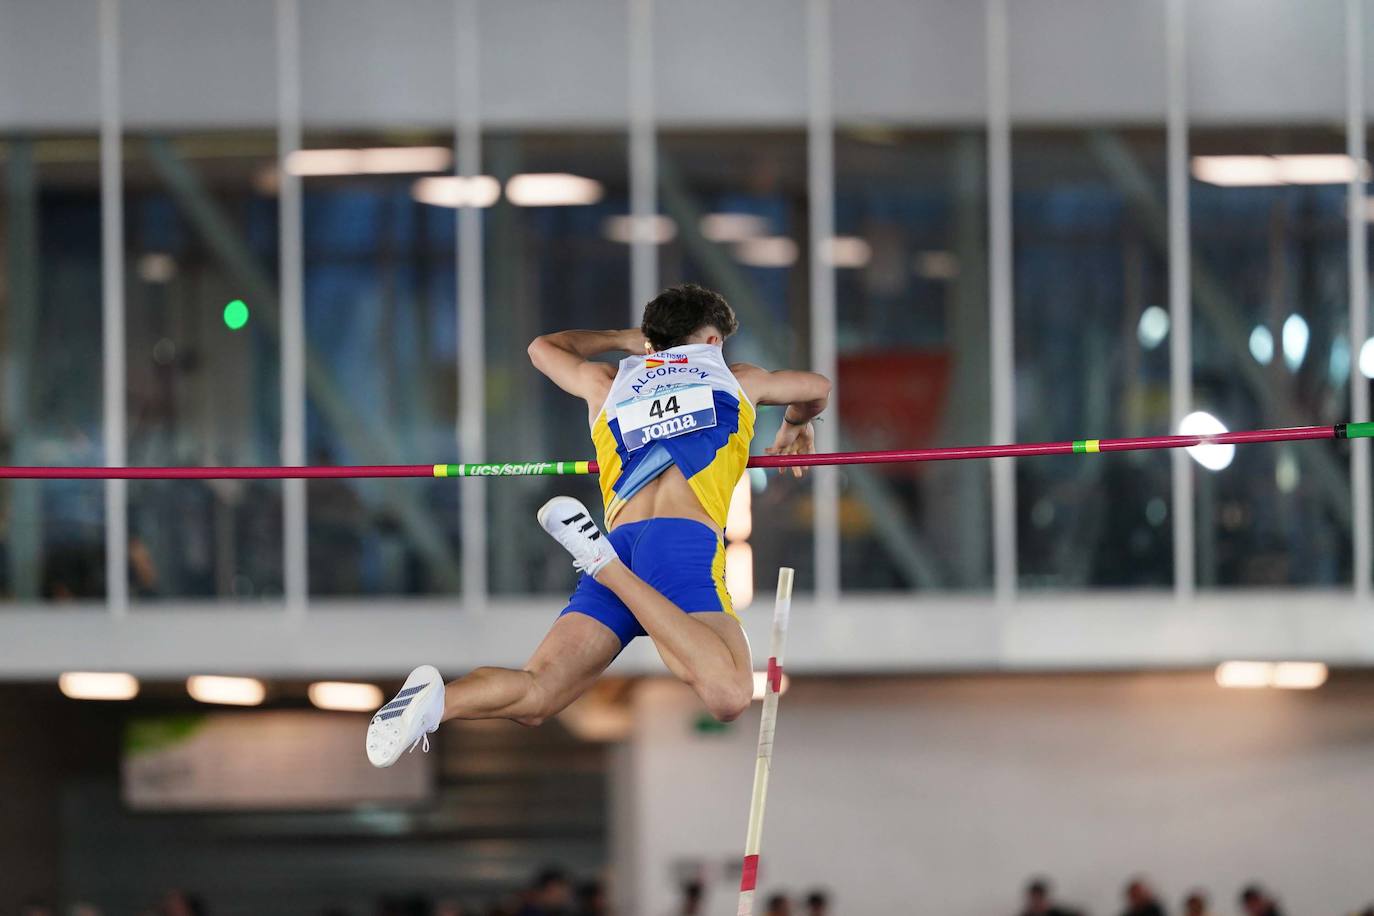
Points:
(666, 496)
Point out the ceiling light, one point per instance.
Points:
(1153, 327)
(1268, 171)
(457, 191)
(1338, 366)
(1262, 345)
(1283, 675)
(739, 518)
(98, 685)
(768, 251)
(315, 162)
(385, 160)
(157, 267)
(1320, 169)
(345, 697)
(1237, 171)
(1248, 675)
(656, 230)
(1299, 675)
(1287, 474)
(1295, 337)
(739, 574)
(1212, 457)
(1367, 358)
(732, 227)
(400, 160)
(228, 691)
(847, 251)
(937, 265)
(553, 189)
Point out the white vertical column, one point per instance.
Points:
(1359, 290)
(292, 305)
(643, 159)
(1180, 297)
(820, 142)
(1001, 355)
(472, 365)
(112, 308)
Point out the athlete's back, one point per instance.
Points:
(672, 436)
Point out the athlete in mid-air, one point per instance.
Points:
(671, 425)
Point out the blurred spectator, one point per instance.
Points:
(181, 903)
(1040, 902)
(778, 905)
(84, 909)
(691, 899)
(1195, 904)
(591, 899)
(449, 908)
(36, 908)
(818, 903)
(551, 895)
(1140, 900)
(1256, 901)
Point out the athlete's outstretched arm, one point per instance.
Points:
(566, 358)
(806, 395)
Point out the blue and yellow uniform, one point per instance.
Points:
(684, 408)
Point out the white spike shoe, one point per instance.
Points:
(571, 525)
(409, 719)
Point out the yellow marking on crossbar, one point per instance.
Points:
(1092, 445)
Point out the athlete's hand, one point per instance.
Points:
(793, 440)
(633, 342)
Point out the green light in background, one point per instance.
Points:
(235, 314)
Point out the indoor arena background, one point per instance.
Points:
(260, 232)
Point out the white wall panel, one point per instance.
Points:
(719, 62)
(899, 60)
(946, 796)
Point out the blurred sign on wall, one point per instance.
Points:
(269, 760)
(882, 384)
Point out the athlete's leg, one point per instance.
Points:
(707, 651)
(569, 660)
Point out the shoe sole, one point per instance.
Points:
(387, 735)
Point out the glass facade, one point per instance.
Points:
(910, 260)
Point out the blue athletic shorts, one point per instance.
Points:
(683, 559)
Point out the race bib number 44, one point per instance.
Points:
(671, 411)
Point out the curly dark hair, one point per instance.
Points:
(680, 311)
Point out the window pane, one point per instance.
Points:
(52, 540)
(52, 544)
(548, 268)
(1271, 290)
(1270, 301)
(200, 231)
(1090, 287)
(380, 293)
(1092, 355)
(911, 255)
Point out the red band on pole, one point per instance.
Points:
(775, 675)
(750, 875)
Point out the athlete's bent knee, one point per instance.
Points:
(728, 701)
